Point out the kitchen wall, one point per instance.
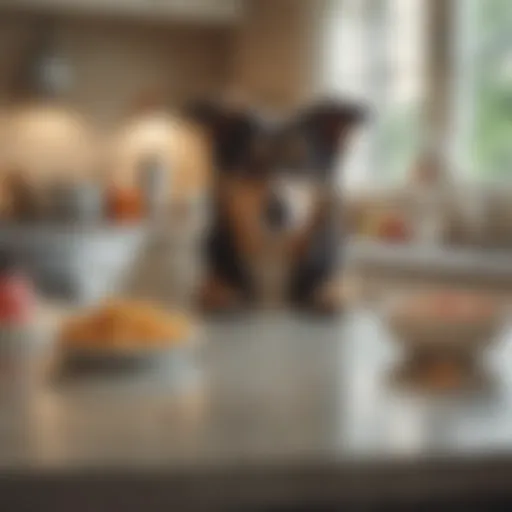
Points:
(118, 63)
(268, 56)
(273, 51)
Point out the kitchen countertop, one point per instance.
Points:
(272, 408)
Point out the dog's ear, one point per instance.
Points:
(231, 131)
(203, 113)
(327, 126)
(331, 120)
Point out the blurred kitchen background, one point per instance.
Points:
(91, 91)
(104, 191)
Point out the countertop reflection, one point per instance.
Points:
(263, 389)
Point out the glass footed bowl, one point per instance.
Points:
(445, 321)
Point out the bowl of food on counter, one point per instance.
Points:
(72, 236)
(443, 333)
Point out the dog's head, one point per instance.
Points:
(276, 171)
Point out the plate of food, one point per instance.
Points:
(125, 331)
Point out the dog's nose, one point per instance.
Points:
(276, 212)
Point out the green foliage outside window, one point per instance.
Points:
(492, 134)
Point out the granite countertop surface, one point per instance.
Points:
(285, 406)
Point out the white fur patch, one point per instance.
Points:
(299, 198)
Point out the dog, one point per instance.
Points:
(275, 234)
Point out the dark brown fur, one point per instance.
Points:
(247, 157)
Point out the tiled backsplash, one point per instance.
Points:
(115, 62)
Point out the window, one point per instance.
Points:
(377, 50)
(373, 50)
(486, 88)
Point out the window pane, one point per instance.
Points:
(491, 137)
(373, 50)
(402, 103)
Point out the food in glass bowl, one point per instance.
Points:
(445, 320)
(442, 334)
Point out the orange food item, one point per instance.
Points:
(125, 204)
(444, 375)
(126, 324)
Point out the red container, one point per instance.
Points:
(17, 297)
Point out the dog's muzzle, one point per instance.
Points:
(288, 205)
(276, 213)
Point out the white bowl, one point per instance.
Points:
(82, 264)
